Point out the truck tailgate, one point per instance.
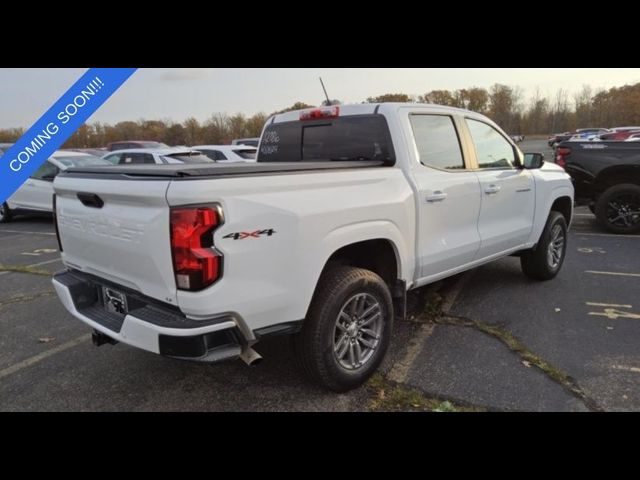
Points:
(118, 230)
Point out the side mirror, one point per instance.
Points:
(533, 161)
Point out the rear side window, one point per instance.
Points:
(186, 158)
(136, 158)
(437, 141)
(355, 137)
(246, 154)
(215, 155)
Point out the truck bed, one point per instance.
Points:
(215, 170)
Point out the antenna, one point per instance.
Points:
(325, 91)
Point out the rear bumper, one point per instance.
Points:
(150, 325)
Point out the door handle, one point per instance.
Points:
(436, 196)
(492, 189)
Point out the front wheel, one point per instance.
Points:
(5, 213)
(618, 208)
(347, 330)
(544, 262)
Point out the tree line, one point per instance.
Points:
(541, 114)
(506, 105)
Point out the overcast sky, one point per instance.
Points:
(166, 93)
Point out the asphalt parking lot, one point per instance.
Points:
(489, 339)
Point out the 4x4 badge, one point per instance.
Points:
(254, 234)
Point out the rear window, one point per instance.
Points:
(246, 154)
(355, 137)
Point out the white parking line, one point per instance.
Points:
(46, 262)
(28, 233)
(41, 356)
(400, 370)
(613, 273)
(626, 368)
(605, 234)
(592, 304)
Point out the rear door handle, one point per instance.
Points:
(492, 189)
(436, 196)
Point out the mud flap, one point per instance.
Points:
(399, 293)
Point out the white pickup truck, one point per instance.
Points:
(347, 208)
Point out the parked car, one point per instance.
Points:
(4, 147)
(346, 209)
(606, 176)
(129, 144)
(556, 138)
(619, 133)
(36, 194)
(228, 153)
(588, 134)
(252, 142)
(159, 156)
(96, 152)
(584, 138)
(633, 138)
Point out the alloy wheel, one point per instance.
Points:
(358, 331)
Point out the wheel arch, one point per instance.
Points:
(615, 175)
(376, 246)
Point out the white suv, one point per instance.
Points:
(229, 153)
(158, 156)
(36, 195)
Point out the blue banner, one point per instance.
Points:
(57, 125)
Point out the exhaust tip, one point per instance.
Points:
(251, 357)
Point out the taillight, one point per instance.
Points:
(196, 263)
(319, 113)
(561, 154)
(55, 223)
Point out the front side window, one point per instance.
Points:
(114, 159)
(492, 149)
(437, 141)
(82, 161)
(46, 172)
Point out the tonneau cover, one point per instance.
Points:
(216, 170)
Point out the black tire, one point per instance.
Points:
(5, 213)
(539, 263)
(315, 345)
(618, 208)
(592, 208)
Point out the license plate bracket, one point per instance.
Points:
(114, 301)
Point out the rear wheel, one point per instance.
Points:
(347, 330)
(5, 213)
(618, 208)
(544, 262)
